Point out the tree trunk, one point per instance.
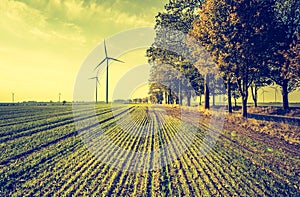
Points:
(243, 88)
(255, 101)
(170, 99)
(179, 94)
(254, 94)
(188, 101)
(206, 106)
(244, 107)
(188, 98)
(235, 105)
(229, 96)
(285, 95)
(244, 93)
(200, 99)
(214, 99)
(166, 97)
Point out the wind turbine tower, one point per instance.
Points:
(13, 97)
(263, 94)
(275, 93)
(107, 62)
(97, 83)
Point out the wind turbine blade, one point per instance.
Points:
(92, 78)
(110, 58)
(100, 64)
(105, 49)
(98, 81)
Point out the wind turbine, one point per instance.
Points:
(107, 61)
(13, 97)
(97, 83)
(263, 94)
(59, 97)
(275, 92)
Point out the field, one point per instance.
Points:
(276, 110)
(43, 154)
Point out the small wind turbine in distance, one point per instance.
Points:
(107, 62)
(59, 97)
(97, 83)
(263, 94)
(13, 97)
(275, 92)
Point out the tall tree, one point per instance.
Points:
(282, 68)
(236, 34)
(177, 17)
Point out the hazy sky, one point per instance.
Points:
(44, 42)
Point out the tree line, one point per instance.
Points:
(244, 45)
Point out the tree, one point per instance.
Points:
(156, 93)
(283, 65)
(209, 35)
(236, 34)
(205, 66)
(159, 77)
(177, 17)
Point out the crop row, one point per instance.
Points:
(278, 164)
(20, 142)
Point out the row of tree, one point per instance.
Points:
(225, 46)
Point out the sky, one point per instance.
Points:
(45, 43)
